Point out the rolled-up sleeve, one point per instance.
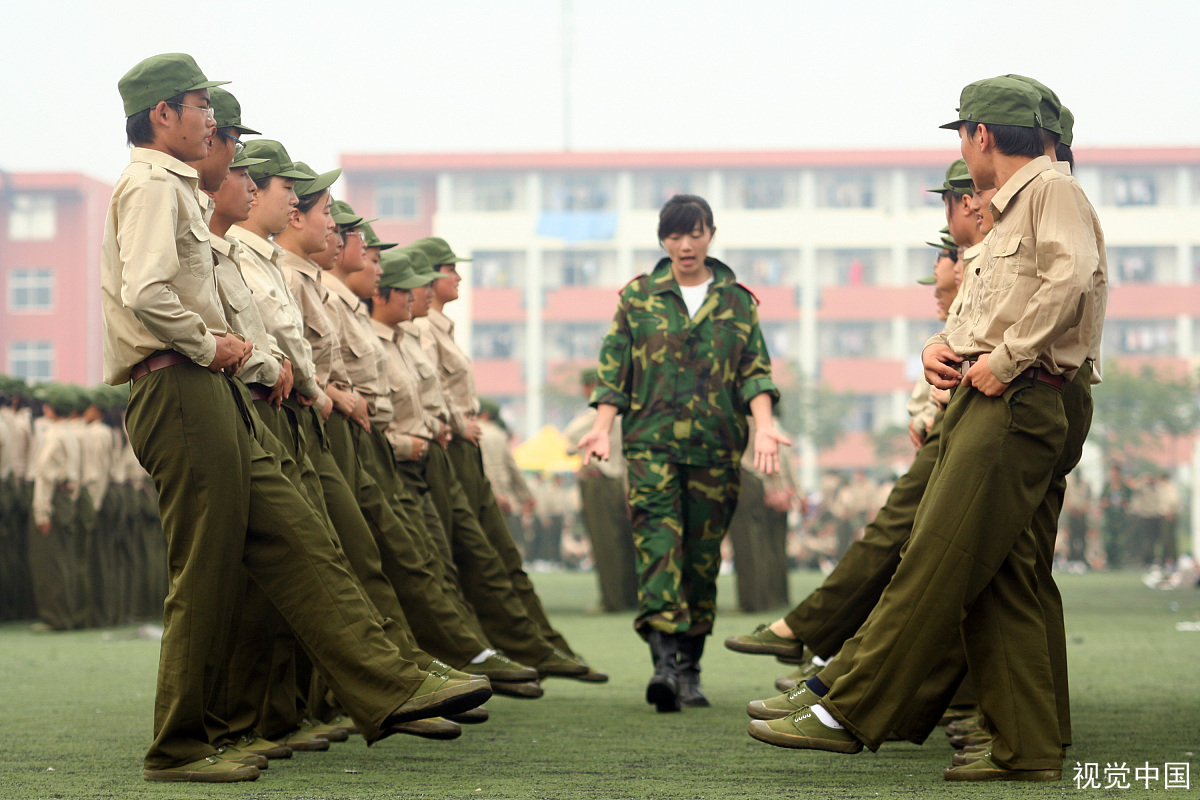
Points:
(615, 372)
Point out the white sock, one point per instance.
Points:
(483, 656)
(820, 662)
(826, 718)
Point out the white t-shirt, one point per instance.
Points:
(693, 296)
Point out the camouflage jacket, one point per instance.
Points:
(684, 385)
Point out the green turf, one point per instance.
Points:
(76, 708)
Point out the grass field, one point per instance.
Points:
(76, 711)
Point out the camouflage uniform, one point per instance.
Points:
(684, 386)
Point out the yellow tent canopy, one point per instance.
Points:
(546, 451)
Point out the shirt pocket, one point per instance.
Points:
(1004, 264)
(196, 252)
(238, 296)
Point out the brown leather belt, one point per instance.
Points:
(160, 360)
(1033, 373)
(259, 391)
(1040, 374)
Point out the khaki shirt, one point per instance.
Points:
(265, 359)
(304, 279)
(614, 466)
(96, 443)
(278, 308)
(921, 406)
(22, 450)
(458, 383)
(365, 363)
(1030, 291)
(434, 405)
(404, 393)
(58, 462)
(7, 436)
(500, 467)
(156, 268)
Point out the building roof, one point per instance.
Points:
(726, 159)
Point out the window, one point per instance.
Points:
(1131, 264)
(779, 337)
(580, 268)
(1142, 338)
(498, 269)
(845, 190)
(851, 267)
(31, 290)
(653, 190)
(577, 342)
(850, 339)
(579, 193)
(762, 190)
(493, 341)
(918, 185)
(33, 361)
(1135, 190)
(32, 218)
(398, 198)
(764, 267)
(491, 193)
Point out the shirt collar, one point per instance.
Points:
(222, 245)
(268, 250)
(409, 326)
(343, 292)
(443, 323)
(662, 279)
(301, 265)
(160, 159)
(1018, 181)
(386, 332)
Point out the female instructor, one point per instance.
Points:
(683, 362)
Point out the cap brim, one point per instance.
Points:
(939, 190)
(938, 245)
(209, 85)
(455, 260)
(247, 162)
(323, 181)
(929, 280)
(294, 174)
(386, 245)
(953, 126)
(246, 130)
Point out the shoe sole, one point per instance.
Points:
(317, 745)
(274, 752)
(663, 698)
(510, 675)
(698, 703)
(593, 676)
(785, 684)
(453, 701)
(757, 710)
(563, 672)
(175, 776)
(760, 649)
(986, 775)
(476, 716)
(760, 731)
(439, 732)
(523, 691)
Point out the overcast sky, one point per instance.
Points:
(438, 75)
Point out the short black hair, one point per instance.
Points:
(1013, 140)
(139, 131)
(309, 200)
(385, 293)
(263, 182)
(683, 213)
(1063, 153)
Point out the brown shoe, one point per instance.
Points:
(206, 770)
(343, 723)
(301, 740)
(500, 668)
(763, 641)
(332, 733)
(252, 742)
(437, 697)
(473, 716)
(432, 728)
(530, 690)
(231, 753)
(560, 665)
(985, 770)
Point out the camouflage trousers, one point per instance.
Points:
(679, 514)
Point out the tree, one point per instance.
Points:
(1134, 412)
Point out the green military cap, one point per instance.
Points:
(490, 407)
(438, 250)
(372, 240)
(998, 101)
(312, 183)
(227, 111)
(958, 180)
(589, 376)
(243, 160)
(344, 215)
(399, 272)
(159, 78)
(57, 396)
(276, 162)
(1049, 105)
(108, 398)
(1067, 121)
(945, 241)
(421, 263)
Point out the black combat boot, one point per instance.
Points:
(663, 690)
(690, 650)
